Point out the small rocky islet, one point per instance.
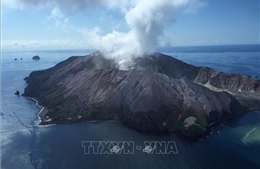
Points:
(158, 93)
(36, 57)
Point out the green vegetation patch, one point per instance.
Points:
(194, 129)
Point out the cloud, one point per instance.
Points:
(56, 13)
(145, 19)
(69, 6)
(43, 44)
(195, 5)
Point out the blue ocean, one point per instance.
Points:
(26, 145)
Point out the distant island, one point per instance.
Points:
(158, 93)
(36, 57)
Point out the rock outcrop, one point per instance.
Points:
(158, 93)
(17, 93)
(36, 57)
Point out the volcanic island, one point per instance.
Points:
(158, 93)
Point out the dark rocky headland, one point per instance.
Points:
(158, 93)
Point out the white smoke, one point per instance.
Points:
(146, 20)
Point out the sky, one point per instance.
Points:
(125, 26)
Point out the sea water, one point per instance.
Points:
(25, 144)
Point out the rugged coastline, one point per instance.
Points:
(158, 93)
(42, 112)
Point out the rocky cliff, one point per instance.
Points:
(158, 93)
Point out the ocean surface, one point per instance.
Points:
(26, 145)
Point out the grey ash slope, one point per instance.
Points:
(157, 94)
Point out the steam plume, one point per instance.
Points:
(146, 20)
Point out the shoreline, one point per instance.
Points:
(42, 112)
(42, 121)
(45, 122)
